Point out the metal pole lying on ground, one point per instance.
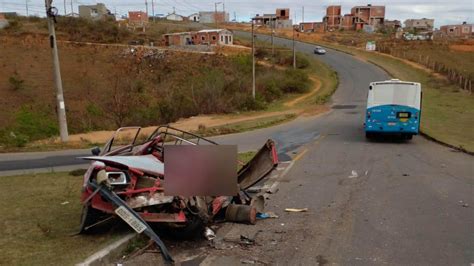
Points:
(253, 61)
(51, 12)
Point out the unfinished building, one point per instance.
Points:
(367, 16)
(463, 30)
(333, 18)
(311, 27)
(279, 20)
(424, 24)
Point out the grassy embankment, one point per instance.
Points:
(40, 216)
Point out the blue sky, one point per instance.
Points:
(444, 12)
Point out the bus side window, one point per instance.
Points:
(370, 87)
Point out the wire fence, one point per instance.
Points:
(462, 80)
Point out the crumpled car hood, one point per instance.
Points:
(146, 163)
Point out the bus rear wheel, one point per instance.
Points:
(369, 135)
(408, 136)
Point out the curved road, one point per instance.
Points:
(370, 202)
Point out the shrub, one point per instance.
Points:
(243, 63)
(295, 80)
(29, 125)
(16, 83)
(35, 124)
(251, 104)
(302, 61)
(14, 24)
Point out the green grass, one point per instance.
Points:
(329, 82)
(37, 229)
(246, 156)
(245, 125)
(447, 111)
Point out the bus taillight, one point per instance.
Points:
(368, 114)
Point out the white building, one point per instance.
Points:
(174, 17)
(194, 17)
(3, 22)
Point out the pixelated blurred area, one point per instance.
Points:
(201, 170)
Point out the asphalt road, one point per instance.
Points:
(377, 202)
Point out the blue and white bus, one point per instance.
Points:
(393, 107)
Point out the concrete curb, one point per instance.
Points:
(53, 169)
(110, 252)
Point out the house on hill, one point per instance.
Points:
(202, 37)
(423, 24)
(174, 17)
(137, 19)
(95, 12)
(460, 30)
(3, 22)
(194, 17)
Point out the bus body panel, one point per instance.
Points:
(392, 119)
(393, 106)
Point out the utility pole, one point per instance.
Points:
(294, 51)
(302, 18)
(153, 9)
(72, 10)
(253, 61)
(223, 10)
(51, 13)
(146, 7)
(273, 32)
(65, 11)
(26, 2)
(215, 14)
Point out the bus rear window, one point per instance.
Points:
(399, 94)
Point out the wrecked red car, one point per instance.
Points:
(126, 180)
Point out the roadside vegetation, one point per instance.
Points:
(109, 87)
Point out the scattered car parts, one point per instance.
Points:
(126, 180)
